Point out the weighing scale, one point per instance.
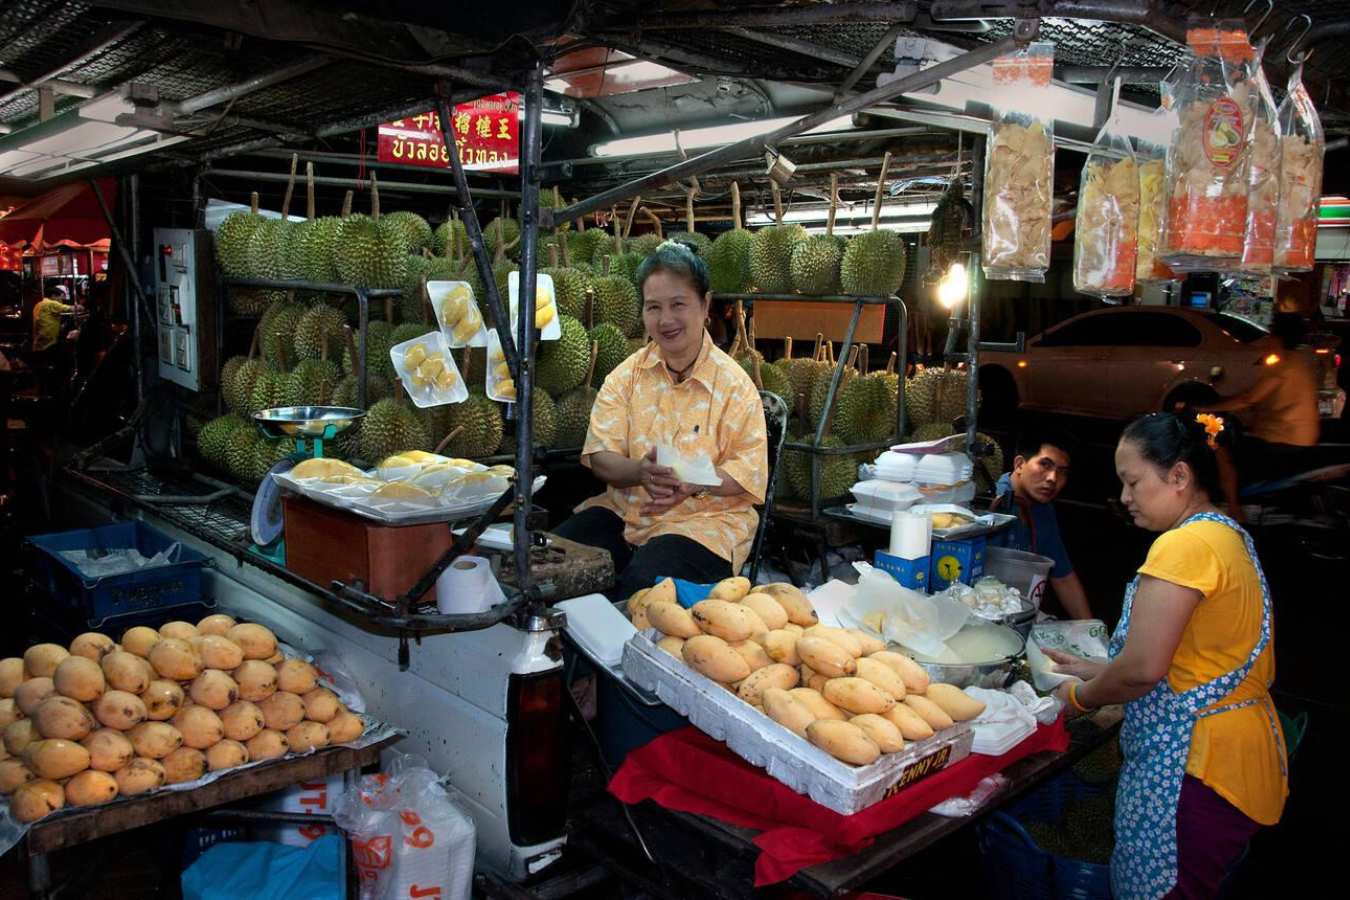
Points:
(309, 427)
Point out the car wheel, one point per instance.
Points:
(1190, 396)
(998, 395)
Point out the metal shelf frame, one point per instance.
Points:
(814, 448)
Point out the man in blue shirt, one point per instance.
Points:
(1040, 471)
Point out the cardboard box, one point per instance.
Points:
(954, 561)
(912, 573)
(325, 544)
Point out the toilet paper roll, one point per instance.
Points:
(468, 586)
(909, 535)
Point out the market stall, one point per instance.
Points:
(366, 418)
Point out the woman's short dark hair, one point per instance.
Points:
(679, 259)
(1165, 439)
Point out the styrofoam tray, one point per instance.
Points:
(789, 758)
(543, 282)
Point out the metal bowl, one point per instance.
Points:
(325, 422)
(993, 673)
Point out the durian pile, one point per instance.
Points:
(784, 258)
(86, 724)
(840, 689)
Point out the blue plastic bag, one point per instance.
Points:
(687, 593)
(266, 871)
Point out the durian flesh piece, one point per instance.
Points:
(543, 315)
(414, 356)
(468, 324)
(506, 389)
(453, 308)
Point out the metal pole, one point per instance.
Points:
(978, 150)
(867, 62)
(256, 83)
(1026, 29)
(474, 232)
(529, 249)
(133, 280)
(809, 15)
(902, 353)
(362, 324)
(836, 377)
(408, 187)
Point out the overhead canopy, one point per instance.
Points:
(68, 215)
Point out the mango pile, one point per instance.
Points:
(838, 688)
(86, 724)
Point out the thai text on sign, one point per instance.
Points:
(486, 131)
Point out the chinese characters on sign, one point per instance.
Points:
(486, 130)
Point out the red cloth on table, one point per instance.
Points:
(688, 771)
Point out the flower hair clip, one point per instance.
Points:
(1213, 428)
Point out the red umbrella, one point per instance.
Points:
(69, 214)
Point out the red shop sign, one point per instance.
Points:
(486, 130)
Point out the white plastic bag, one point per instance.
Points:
(908, 618)
(1081, 637)
(408, 837)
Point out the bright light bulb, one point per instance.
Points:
(952, 288)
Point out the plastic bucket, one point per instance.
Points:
(1017, 568)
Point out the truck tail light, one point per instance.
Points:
(537, 754)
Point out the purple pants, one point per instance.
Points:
(1211, 835)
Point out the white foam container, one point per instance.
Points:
(790, 759)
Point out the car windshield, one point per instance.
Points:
(1245, 330)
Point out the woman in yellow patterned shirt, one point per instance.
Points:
(678, 391)
(1192, 660)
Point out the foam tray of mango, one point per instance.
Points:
(409, 488)
(171, 708)
(830, 712)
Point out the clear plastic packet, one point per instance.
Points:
(1151, 156)
(498, 384)
(1302, 147)
(1106, 227)
(1208, 158)
(1019, 170)
(427, 369)
(457, 313)
(1263, 173)
(545, 305)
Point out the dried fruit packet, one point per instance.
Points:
(1019, 172)
(1208, 158)
(1106, 235)
(1302, 148)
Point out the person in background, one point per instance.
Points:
(1280, 414)
(1039, 472)
(47, 314)
(1192, 660)
(678, 391)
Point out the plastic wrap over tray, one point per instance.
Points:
(446, 507)
(789, 758)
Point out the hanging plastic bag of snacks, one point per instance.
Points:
(1263, 174)
(1151, 157)
(1019, 170)
(1106, 236)
(1302, 147)
(1208, 157)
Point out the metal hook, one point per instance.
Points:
(1289, 54)
(1270, 8)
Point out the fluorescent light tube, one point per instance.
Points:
(821, 214)
(712, 136)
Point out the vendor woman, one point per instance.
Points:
(1192, 660)
(678, 391)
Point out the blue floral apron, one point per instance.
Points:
(1155, 739)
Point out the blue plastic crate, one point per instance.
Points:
(1016, 868)
(97, 600)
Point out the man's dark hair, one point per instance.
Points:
(1031, 440)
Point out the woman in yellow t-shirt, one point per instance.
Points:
(678, 391)
(1192, 659)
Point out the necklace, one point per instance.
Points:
(680, 374)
